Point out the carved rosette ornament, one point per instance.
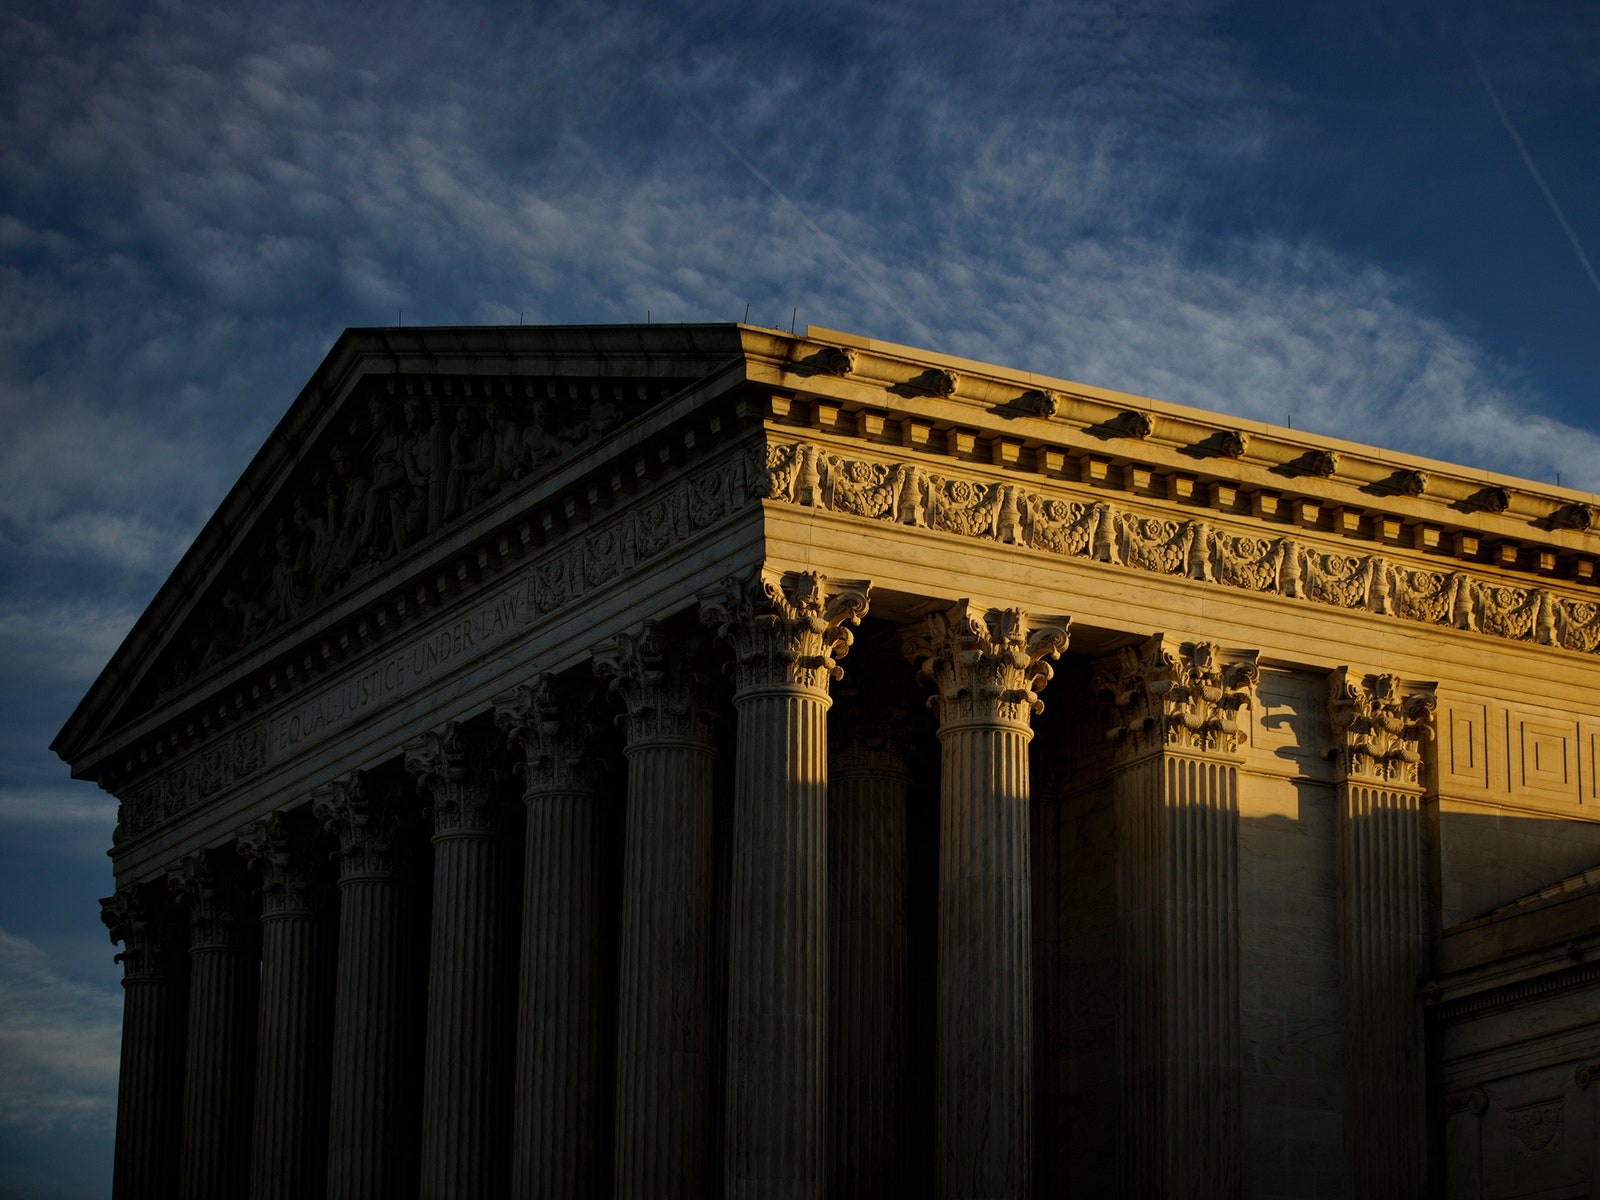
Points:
(658, 676)
(367, 824)
(556, 726)
(787, 632)
(1180, 695)
(448, 766)
(986, 666)
(283, 858)
(1381, 723)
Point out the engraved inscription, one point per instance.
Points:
(462, 639)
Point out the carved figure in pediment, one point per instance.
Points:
(505, 442)
(603, 417)
(290, 590)
(539, 443)
(408, 507)
(312, 551)
(347, 506)
(243, 620)
(471, 458)
(386, 482)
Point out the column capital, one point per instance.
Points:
(281, 852)
(1379, 725)
(787, 631)
(209, 887)
(143, 921)
(448, 765)
(987, 666)
(555, 725)
(367, 824)
(661, 679)
(1170, 694)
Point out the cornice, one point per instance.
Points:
(1059, 429)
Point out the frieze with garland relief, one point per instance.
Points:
(415, 456)
(558, 580)
(1099, 530)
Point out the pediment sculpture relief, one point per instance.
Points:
(408, 459)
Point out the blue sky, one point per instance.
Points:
(1375, 219)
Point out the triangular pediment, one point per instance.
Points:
(402, 437)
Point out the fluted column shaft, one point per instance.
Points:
(986, 668)
(150, 1085)
(777, 948)
(372, 1153)
(1176, 791)
(984, 1062)
(288, 1157)
(1379, 722)
(869, 781)
(217, 1077)
(1178, 832)
(786, 634)
(662, 1131)
(465, 1125)
(562, 1110)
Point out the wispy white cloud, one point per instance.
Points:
(67, 642)
(59, 1045)
(73, 819)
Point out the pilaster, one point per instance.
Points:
(219, 1059)
(288, 1157)
(986, 668)
(787, 633)
(465, 1123)
(561, 1118)
(1175, 720)
(869, 785)
(373, 1105)
(1380, 723)
(150, 1085)
(662, 1131)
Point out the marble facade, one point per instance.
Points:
(687, 760)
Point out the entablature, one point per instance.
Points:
(974, 414)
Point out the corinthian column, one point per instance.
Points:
(217, 1085)
(986, 668)
(464, 1118)
(372, 1105)
(1379, 722)
(787, 634)
(563, 1061)
(1176, 789)
(150, 1086)
(663, 1131)
(288, 1156)
(869, 784)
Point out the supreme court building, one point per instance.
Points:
(681, 761)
